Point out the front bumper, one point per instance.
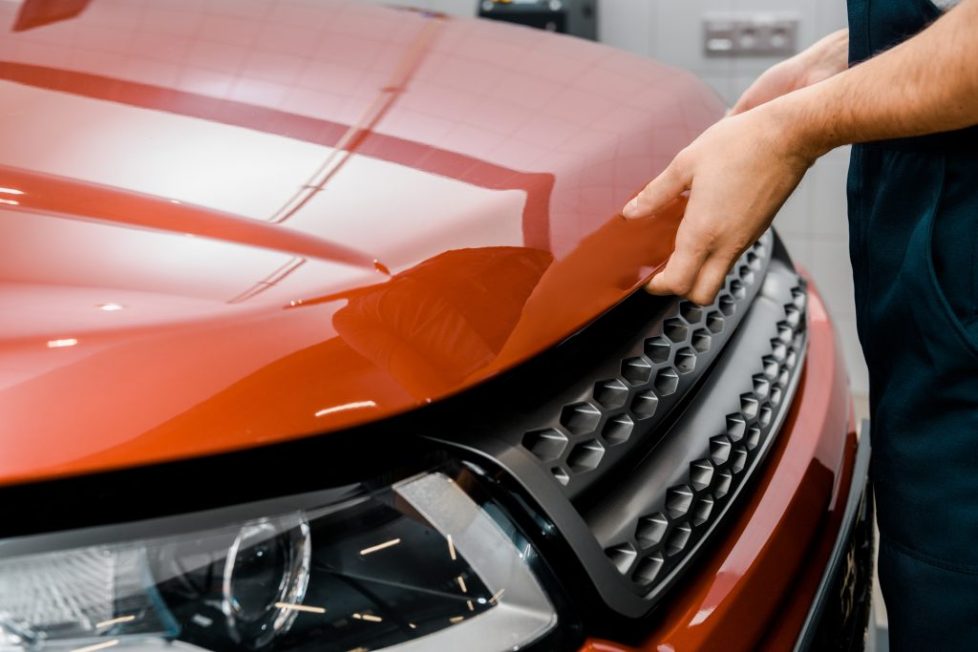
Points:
(757, 578)
(839, 614)
(754, 590)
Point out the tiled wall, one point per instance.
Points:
(813, 222)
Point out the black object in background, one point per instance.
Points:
(575, 17)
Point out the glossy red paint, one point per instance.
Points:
(37, 13)
(754, 591)
(230, 223)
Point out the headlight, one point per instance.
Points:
(417, 565)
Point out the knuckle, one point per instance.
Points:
(681, 163)
(681, 286)
(655, 287)
(668, 282)
(692, 241)
(723, 239)
(732, 253)
(709, 237)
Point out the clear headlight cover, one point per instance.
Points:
(418, 565)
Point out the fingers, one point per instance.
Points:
(688, 277)
(658, 194)
(712, 276)
(683, 267)
(763, 89)
(744, 103)
(704, 252)
(774, 82)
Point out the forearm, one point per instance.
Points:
(927, 84)
(739, 172)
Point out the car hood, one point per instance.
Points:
(241, 223)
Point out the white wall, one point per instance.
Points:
(813, 222)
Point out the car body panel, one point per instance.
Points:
(754, 590)
(223, 227)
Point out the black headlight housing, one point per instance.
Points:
(423, 555)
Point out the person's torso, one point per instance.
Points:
(913, 219)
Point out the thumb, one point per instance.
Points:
(658, 194)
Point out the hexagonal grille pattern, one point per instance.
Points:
(598, 427)
(665, 537)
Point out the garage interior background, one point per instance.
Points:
(813, 222)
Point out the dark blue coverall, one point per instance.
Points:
(913, 219)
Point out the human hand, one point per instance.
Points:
(822, 60)
(738, 173)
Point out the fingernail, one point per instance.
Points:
(631, 209)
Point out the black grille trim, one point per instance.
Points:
(601, 422)
(668, 506)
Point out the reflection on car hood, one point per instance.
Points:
(240, 223)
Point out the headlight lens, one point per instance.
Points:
(417, 565)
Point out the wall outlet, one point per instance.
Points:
(750, 35)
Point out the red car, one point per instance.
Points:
(320, 330)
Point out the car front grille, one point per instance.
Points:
(651, 522)
(644, 439)
(636, 392)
